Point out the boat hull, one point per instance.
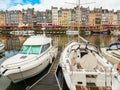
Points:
(17, 77)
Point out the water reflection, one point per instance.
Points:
(10, 53)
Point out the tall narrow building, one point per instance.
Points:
(13, 17)
(27, 16)
(2, 18)
(54, 15)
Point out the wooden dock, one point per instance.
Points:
(48, 81)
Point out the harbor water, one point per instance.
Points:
(14, 43)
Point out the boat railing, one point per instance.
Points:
(69, 42)
(13, 65)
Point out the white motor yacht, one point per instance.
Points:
(36, 54)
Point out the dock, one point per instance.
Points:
(48, 81)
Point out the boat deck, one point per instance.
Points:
(47, 82)
(92, 88)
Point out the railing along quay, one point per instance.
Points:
(36, 31)
(48, 81)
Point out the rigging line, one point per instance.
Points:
(22, 77)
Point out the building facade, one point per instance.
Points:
(27, 16)
(54, 15)
(13, 18)
(2, 18)
(67, 18)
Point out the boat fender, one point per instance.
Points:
(50, 59)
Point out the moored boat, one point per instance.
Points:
(72, 32)
(36, 54)
(101, 32)
(84, 68)
(112, 52)
(23, 33)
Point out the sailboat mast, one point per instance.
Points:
(78, 18)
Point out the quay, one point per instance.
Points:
(21, 32)
(48, 81)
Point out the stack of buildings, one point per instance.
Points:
(65, 18)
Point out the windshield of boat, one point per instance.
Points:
(27, 49)
(34, 49)
(89, 46)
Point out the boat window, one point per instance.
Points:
(35, 49)
(27, 49)
(45, 47)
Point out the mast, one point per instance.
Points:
(79, 21)
(78, 18)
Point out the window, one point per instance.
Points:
(45, 47)
(35, 50)
(27, 49)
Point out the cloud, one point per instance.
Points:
(111, 4)
(42, 5)
(4, 4)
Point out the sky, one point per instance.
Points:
(42, 5)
